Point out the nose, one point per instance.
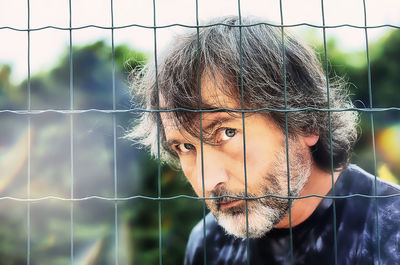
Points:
(214, 167)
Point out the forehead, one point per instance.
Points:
(215, 93)
(214, 90)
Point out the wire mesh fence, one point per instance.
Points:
(61, 135)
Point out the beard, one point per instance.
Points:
(258, 216)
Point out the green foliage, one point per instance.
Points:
(94, 232)
(11, 96)
(138, 219)
(384, 65)
(384, 58)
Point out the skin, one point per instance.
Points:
(223, 161)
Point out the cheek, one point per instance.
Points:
(259, 156)
(234, 150)
(256, 154)
(256, 159)
(189, 169)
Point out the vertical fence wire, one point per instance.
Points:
(201, 132)
(286, 132)
(71, 121)
(244, 132)
(28, 214)
(158, 136)
(114, 135)
(378, 246)
(330, 132)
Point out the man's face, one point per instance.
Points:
(220, 168)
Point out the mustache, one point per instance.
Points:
(226, 195)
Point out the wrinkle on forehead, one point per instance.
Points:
(215, 92)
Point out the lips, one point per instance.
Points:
(227, 203)
(232, 202)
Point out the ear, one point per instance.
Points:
(311, 139)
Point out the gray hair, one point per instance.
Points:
(216, 53)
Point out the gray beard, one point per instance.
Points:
(263, 213)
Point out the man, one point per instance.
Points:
(261, 184)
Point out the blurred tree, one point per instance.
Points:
(137, 173)
(385, 68)
(50, 172)
(385, 80)
(11, 96)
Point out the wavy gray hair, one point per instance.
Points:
(216, 53)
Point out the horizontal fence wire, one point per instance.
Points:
(204, 26)
(139, 110)
(29, 112)
(196, 198)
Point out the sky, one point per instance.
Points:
(47, 45)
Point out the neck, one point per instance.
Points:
(319, 183)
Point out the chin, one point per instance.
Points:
(260, 221)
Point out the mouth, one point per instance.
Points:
(228, 203)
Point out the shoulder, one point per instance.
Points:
(208, 226)
(375, 213)
(218, 246)
(377, 198)
(355, 180)
(195, 245)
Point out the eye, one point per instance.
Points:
(228, 133)
(184, 148)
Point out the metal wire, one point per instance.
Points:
(114, 136)
(158, 135)
(29, 112)
(204, 26)
(330, 135)
(286, 134)
(71, 100)
(201, 135)
(37, 112)
(244, 133)
(378, 246)
(330, 197)
(28, 218)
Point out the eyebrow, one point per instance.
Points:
(172, 142)
(209, 127)
(217, 121)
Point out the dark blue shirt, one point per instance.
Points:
(357, 231)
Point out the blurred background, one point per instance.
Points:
(89, 171)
